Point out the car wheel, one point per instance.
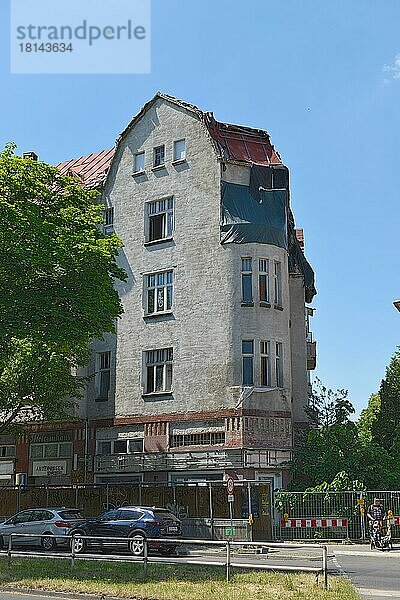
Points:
(78, 545)
(136, 544)
(48, 542)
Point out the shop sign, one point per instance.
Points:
(49, 468)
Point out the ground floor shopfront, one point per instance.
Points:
(132, 451)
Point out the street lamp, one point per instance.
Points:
(396, 304)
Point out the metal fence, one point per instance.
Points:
(202, 507)
(334, 507)
(225, 560)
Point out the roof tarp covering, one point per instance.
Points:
(256, 214)
(246, 219)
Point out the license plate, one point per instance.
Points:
(173, 529)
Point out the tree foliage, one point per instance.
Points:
(57, 273)
(333, 443)
(368, 417)
(386, 426)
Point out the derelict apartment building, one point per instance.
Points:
(207, 374)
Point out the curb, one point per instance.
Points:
(55, 594)
(64, 595)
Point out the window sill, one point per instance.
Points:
(155, 395)
(162, 241)
(265, 304)
(158, 167)
(162, 313)
(98, 399)
(278, 307)
(179, 161)
(138, 173)
(247, 303)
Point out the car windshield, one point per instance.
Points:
(70, 514)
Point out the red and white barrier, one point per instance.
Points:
(329, 522)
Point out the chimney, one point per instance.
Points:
(30, 155)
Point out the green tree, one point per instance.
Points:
(386, 426)
(57, 273)
(333, 443)
(368, 417)
(321, 450)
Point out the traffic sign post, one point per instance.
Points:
(230, 488)
(230, 485)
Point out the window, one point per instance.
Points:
(180, 150)
(263, 279)
(103, 375)
(158, 370)
(129, 515)
(106, 448)
(277, 283)
(159, 291)
(247, 280)
(108, 219)
(139, 163)
(197, 439)
(51, 450)
(265, 364)
(279, 364)
(247, 362)
(160, 215)
(159, 156)
(7, 451)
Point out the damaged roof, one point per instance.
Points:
(91, 170)
(232, 143)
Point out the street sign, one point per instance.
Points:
(230, 486)
(231, 498)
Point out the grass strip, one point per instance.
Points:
(168, 582)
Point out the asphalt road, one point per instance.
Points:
(375, 574)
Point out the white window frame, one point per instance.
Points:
(108, 215)
(182, 156)
(116, 441)
(155, 360)
(165, 207)
(136, 170)
(278, 283)
(265, 363)
(161, 284)
(7, 450)
(246, 274)
(101, 372)
(55, 445)
(279, 364)
(263, 275)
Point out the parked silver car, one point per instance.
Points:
(49, 522)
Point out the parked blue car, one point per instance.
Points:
(136, 523)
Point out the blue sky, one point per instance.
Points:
(313, 74)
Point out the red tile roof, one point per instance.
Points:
(233, 143)
(242, 144)
(92, 169)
